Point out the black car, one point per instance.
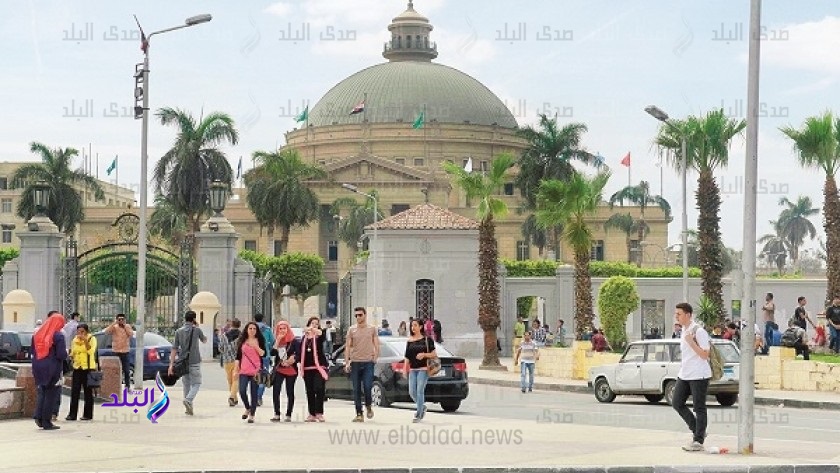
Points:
(156, 350)
(11, 348)
(26, 342)
(449, 387)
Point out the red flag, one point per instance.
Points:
(626, 160)
(359, 108)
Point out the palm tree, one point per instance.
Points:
(66, 206)
(816, 145)
(484, 187)
(551, 151)
(166, 222)
(569, 203)
(627, 224)
(795, 225)
(352, 226)
(707, 147)
(185, 172)
(277, 191)
(534, 234)
(775, 249)
(641, 196)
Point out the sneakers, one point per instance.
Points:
(369, 412)
(189, 407)
(276, 418)
(310, 418)
(287, 419)
(523, 390)
(694, 446)
(358, 418)
(250, 419)
(416, 420)
(530, 389)
(259, 402)
(320, 418)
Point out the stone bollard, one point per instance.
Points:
(111, 377)
(26, 380)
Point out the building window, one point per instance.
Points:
(464, 163)
(4, 183)
(400, 161)
(251, 245)
(523, 250)
(425, 289)
(332, 250)
(278, 247)
(597, 250)
(7, 236)
(6, 205)
(332, 299)
(485, 166)
(397, 208)
(419, 162)
(508, 188)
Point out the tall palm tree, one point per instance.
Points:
(629, 225)
(167, 222)
(185, 172)
(484, 187)
(775, 249)
(277, 191)
(795, 224)
(816, 146)
(352, 226)
(550, 153)
(641, 196)
(66, 206)
(570, 203)
(707, 148)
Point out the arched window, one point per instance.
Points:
(426, 38)
(425, 290)
(399, 42)
(408, 41)
(418, 42)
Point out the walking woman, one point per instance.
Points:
(402, 331)
(83, 354)
(249, 352)
(314, 368)
(285, 371)
(418, 349)
(50, 353)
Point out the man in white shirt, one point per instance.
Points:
(694, 375)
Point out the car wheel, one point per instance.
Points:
(669, 392)
(654, 398)
(450, 406)
(603, 391)
(726, 399)
(377, 395)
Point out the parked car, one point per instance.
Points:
(11, 348)
(156, 351)
(650, 367)
(26, 342)
(448, 388)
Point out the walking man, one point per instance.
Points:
(228, 352)
(529, 353)
(186, 346)
(694, 375)
(769, 310)
(268, 335)
(121, 334)
(362, 353)
(832, 315)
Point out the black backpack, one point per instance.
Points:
(790, 337)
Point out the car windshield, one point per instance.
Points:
(728, 352)
(25, 338)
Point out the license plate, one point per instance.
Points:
(441, 373)
(728, 373)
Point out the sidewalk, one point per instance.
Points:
(767, 397)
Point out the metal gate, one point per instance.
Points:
(263, 302)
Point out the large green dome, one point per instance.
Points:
(398, 91)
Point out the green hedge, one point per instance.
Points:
(598, 269)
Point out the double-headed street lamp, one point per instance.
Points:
(352, 188)
(142, 91)
(660, 115)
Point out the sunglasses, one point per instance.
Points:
(360, 315)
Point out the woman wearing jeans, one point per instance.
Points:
(418, 349)
(285, 352)
(249, 353)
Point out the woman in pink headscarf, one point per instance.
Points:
(285, 368)
(50, 353)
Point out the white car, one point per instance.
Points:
(649, 368)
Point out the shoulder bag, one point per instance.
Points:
(94, 377)
(182, 364)
(432, 364)
(262, 376)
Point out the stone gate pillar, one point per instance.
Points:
(39, 263)
(216, 264)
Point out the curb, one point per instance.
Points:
(573, 388)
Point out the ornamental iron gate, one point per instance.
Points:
(425, 289)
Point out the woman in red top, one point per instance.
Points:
(250, 348)
(285, 362)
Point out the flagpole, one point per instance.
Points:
(425, 142)
(117, 183)
(97, 166)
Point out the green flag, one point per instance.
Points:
(304, 115)
(112, 166)
(420, 121)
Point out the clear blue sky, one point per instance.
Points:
(687, 57)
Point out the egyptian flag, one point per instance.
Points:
(359, 108)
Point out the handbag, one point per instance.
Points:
(94, 377)
(432, 364)
(261, 376)
(181, 366)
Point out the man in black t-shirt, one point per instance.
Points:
(800, 315)
(832, 315)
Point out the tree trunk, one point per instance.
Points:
(488, 290)
(831, 216)
(641, 235)
(708, 226)
(284, 238)
(629, 248)
(583, 293)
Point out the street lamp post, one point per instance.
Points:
(352, 188)
(142, 235)
(660, 115)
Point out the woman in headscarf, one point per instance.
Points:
(50, 353)
(285, 371)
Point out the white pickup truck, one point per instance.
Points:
(649, 368)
